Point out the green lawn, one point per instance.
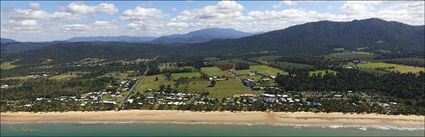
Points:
(262, 69)
(214, 71)
(186, 74)
(391, 67)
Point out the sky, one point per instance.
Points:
(60, 20)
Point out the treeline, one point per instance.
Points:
(400, 85)
(32, 89)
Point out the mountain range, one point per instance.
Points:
(197, 36)
(111, 39)
(202, 36)
(314, 38)
(6, 41)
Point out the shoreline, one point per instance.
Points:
(215, 117)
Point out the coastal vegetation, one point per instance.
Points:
(295, 69)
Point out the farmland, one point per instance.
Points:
(290, 65)
(407, 61)
(391, 67)
(7, 65)
(262, 69)
(214, 71)
(347, 55)
(186, 75)
(67, 75)
(153, 82)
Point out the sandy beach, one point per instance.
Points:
(284, 118)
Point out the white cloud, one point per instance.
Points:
(359, 9)
(288, 2)
(140, 13)
(34, 20)
(30, 13)
(81, 8)
(28, 23)
(222, 10)
(226, 14)
(34, 6)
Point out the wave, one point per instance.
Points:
(297, 126)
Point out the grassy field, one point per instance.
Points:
(321, 72)
(149, 82)
(67, 76)
(227, 88)
(16, 78)
(350, 55)
(224, 88)
(91, 60)
(407, 61)
(175, 68)
(7, 65)
(262, 69)
(233, 61)
(119, 75)
(290, 65)
(391, 67)
(266, 59)
(186, 74)
(214, 71)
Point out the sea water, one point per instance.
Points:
(187, 129)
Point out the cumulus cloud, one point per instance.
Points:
(226, 14)
(288, 2)
(81, 8)
(222, 10)
(140, 13)
(147, 20)
(33, 13)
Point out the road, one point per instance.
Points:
(135, 84)
(132, 88)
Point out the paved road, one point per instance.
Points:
(137, 82)
(132, 88)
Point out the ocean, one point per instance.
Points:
(187, 129)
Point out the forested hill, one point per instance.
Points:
(5, 41)
(111, 39)
(322, 36)
(202, 36)
(317, 38)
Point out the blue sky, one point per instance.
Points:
(58, 20)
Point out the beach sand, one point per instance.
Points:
(284, 118)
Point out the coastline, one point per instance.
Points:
(226, 117)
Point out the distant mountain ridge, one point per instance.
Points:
(6, 40)
(202, 35)
(323, 36)
(132, 39)
(315, 38)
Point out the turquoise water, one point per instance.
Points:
(172, 129)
